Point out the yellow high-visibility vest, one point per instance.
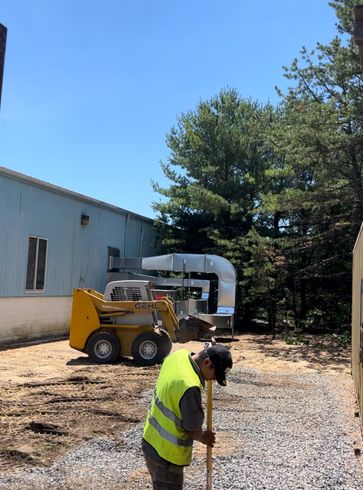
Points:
(163, 428)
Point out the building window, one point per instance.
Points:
(35, 273)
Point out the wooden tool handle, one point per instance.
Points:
(209, 427)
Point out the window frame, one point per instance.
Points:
(34, 289)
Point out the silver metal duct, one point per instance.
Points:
(211, 264)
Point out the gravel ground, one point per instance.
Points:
(277, 431)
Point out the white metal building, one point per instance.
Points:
(51, 241)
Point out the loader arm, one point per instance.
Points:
(162, 306)
(185, 330)
(170, 320)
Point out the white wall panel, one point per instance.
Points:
(33, 317)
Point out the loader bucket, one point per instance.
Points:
(193, 328)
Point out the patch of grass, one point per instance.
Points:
(296, 340)
(49, 446)
(331, 341)
(342, 340)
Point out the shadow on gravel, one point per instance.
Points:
(85, 361)
(30, 343)
(79, 361)
(321, 354)
(226, 340)
(12, 456)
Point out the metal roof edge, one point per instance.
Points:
(66, 192)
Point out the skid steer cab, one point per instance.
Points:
(126, 321)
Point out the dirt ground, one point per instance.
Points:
(52, 397)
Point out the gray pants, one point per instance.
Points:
(165, 476)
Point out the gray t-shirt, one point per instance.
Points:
(191, 410)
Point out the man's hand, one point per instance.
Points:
(206, 437)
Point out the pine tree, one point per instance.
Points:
(320, 140)
(217, 167)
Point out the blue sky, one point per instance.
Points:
(91, 87)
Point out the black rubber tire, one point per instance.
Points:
(103, 347)
(147, 349)
(166, 343)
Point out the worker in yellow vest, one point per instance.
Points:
(176, 415)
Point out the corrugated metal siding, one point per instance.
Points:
(132, 243)
(77, 255)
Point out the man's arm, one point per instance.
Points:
(193, 416)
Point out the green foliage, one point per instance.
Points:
(342, 340)
(296, 340)
(320, 138)
(216, 167)
(276, 190)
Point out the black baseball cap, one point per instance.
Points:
(222, 361)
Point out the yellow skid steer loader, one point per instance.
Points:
(121, 323)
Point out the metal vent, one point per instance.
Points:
(124, 262)
(126, 294)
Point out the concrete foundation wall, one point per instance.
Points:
(29, 318)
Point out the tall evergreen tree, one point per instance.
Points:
(278, 191)
(217, 167)
(320, 138)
